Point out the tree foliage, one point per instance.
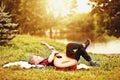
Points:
(7, 28)
(31, 15)
(108, 16)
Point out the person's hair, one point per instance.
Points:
(31, 60)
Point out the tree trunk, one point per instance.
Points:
(51, 32)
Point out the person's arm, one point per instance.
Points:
(52, 55)
(53, 50)
(49, 47)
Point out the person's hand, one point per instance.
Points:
(52, 48)
(43, 43)
(55, 52)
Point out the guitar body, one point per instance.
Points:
(61, 61)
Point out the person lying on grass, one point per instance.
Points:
(59, 60)
(56, 59)
(64, 61)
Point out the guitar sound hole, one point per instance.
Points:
(59, 56)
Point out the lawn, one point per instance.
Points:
(23, 46)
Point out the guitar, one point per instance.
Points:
(61, 61)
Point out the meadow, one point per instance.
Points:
(23, 46)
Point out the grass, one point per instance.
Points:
(24, 46)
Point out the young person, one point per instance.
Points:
(56, 59)
(62, 61)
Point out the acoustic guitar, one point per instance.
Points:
(62, 62)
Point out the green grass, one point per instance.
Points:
(24, 46)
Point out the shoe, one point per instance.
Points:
(93, 63)
(87, 43)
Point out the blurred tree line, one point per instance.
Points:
(32, 18)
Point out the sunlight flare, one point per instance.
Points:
(83, 7)
(58, 7)
(65, 7)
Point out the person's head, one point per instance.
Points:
(35, 60)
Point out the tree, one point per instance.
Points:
(28, 14)
(108, 16)
(7, 28)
